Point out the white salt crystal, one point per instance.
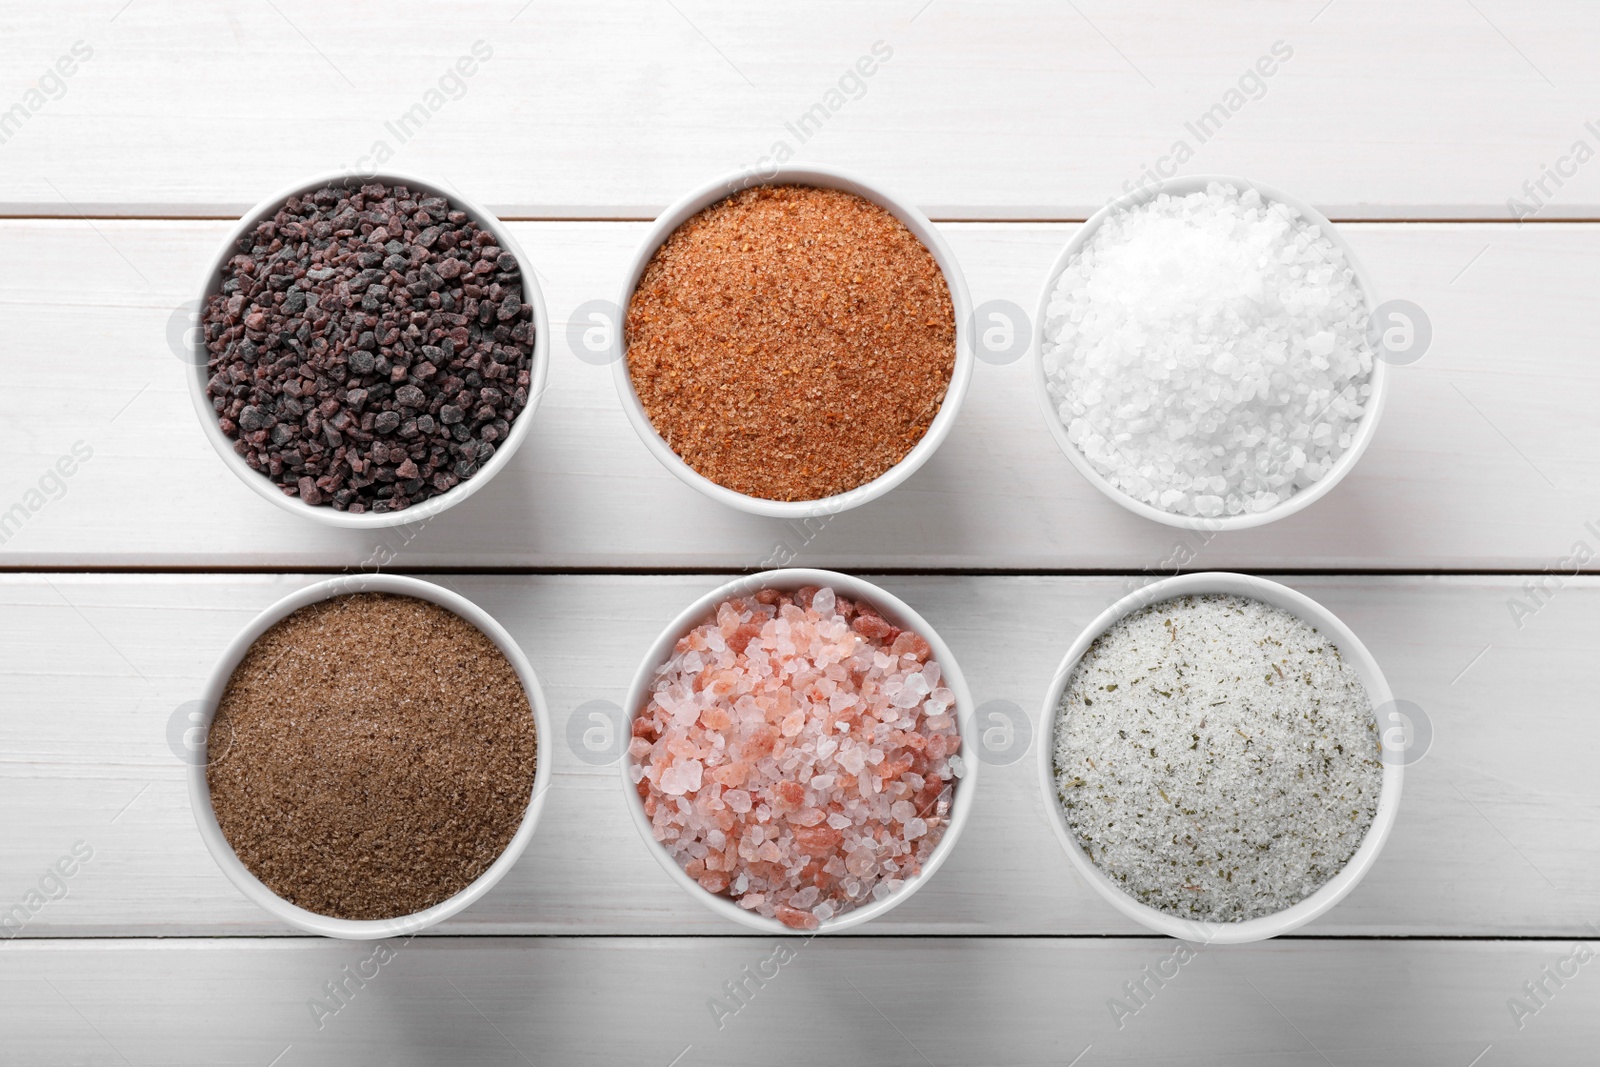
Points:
(1192, 341)
(853, 759)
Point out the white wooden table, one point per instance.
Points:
(1411, 124)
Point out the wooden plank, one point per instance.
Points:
(1425, 109)
(1486, 458)
(1497, 834)
(840, 1000)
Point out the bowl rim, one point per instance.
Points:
(403, 925)
(197, 358)
(823, 177)
(1366, 429)
(1330, 892)
(891, 608)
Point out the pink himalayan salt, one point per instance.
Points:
(797, 754)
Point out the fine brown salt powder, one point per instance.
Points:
(790, 342)
(380, 755)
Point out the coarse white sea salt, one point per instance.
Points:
(1208, 353)
(1216, 757)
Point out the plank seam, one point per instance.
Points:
(892, 572)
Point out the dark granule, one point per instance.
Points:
(381, 754)
(790, 342)
(368, 350)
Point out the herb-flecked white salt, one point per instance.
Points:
(1216, 757)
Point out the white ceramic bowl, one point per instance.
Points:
(894, 610)
(1365, 429)
(434, 505)
(824, 178)
(1354, 653)
(365, 929)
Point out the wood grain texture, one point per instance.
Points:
(575, 1001)
(1497, 834)
(1487, 458)
(1430, 108)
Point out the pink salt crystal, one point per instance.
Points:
(872, 627)
(783, 746)
(910, 644)
(816, 840)
(859, 863)
(740, 639)
(686, 776)
(732, 774)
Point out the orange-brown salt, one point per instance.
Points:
(791, 342)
